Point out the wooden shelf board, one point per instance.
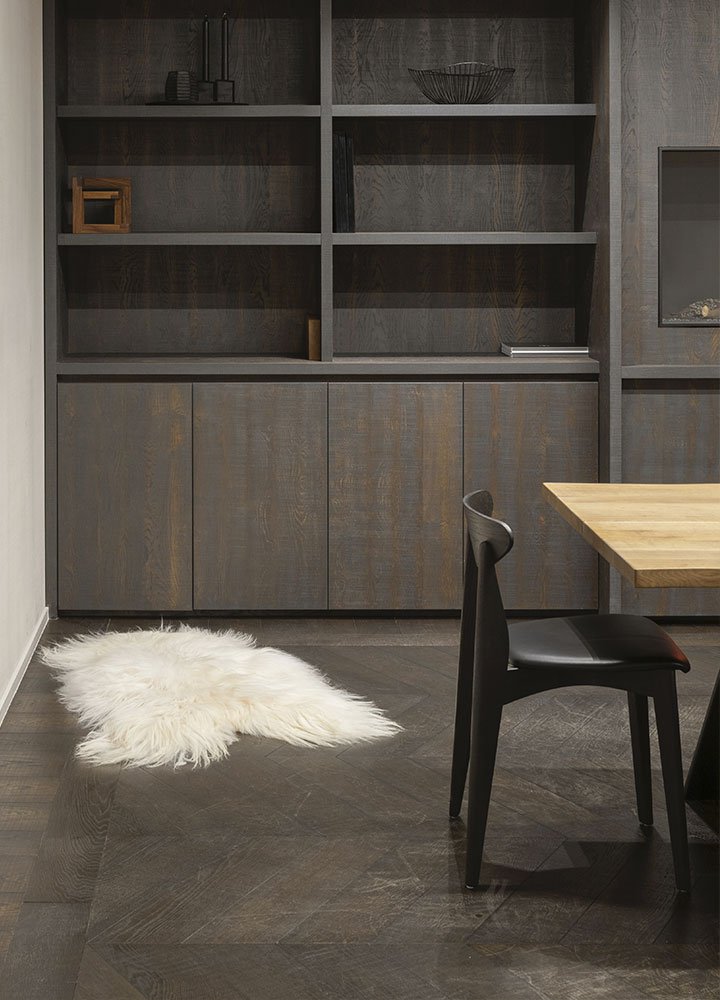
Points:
(660, 372)
(464, 110)
(192, 367)
(188, 111)
(188, 239)
(462, 238)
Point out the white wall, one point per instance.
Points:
(22, 571)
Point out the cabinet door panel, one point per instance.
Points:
(124, 497)
(260, 493)
(671, 434)
(517, 436)
(395, 483)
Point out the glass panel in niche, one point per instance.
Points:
(689, 237)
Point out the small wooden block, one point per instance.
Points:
(313, 335)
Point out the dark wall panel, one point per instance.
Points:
(671, 97)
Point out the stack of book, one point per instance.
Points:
(343, 184)
(543, 350)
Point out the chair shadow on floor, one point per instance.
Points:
(611, 874)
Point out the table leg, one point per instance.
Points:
(703, 778)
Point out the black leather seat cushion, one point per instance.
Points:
(594, 641)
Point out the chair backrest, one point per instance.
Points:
(484, 631)
(483, 527)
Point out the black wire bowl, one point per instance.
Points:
(463, 83)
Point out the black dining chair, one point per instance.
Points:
(499, 665)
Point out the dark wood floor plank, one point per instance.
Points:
(44, 956)
(71, 851)
(98, 980)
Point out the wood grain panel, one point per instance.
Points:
(373, 45)
(273, 51)
(124, 497)
(518, 435)
(671, 97)
(671, 434)
(260, 493)
(190, 300)
(454, 174)
(395, 484)
(205, 175)
(452, 300)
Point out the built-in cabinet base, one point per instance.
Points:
(312, 496)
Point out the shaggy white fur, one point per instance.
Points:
(181, 696)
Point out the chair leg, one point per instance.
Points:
(640, 738)
(463, 705)
(487, 713)
(668, 727)
(461, 740)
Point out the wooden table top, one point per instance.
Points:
(655, 535)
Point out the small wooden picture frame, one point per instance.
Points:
(114, 192)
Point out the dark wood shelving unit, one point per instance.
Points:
(475, 224)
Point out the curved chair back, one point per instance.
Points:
(484, 634)
(482, 527)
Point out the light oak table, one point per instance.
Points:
(656, 536)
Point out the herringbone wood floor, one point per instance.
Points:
(329, 875)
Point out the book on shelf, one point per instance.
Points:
(544, 350)
(343, 184)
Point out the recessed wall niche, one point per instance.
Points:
(689, 237)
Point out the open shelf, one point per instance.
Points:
(465, 239)
(120, 54)
(459, 300)
(187, 239)
(464, 110)
(203, 175)
(375, 43)
(512, 175)
(156, 299)
(188, 111)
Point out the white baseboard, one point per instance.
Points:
(19, 671)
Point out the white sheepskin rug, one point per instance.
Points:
(182, 696)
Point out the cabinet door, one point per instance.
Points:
(395, 485)
(260, 494)
(124, 497)
(671, 434)
(517, 436)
